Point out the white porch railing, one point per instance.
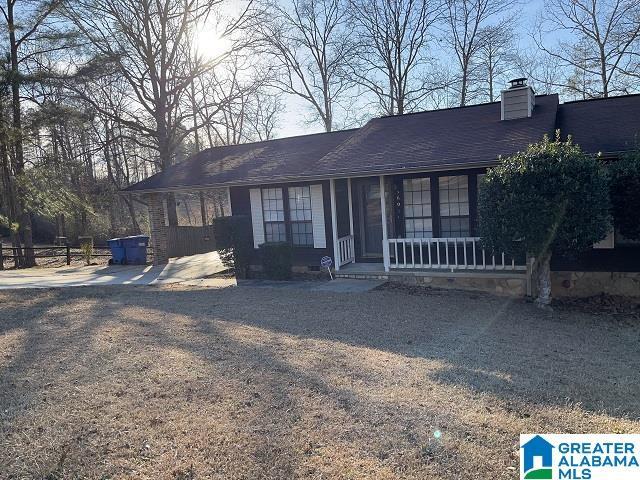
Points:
(346, 250)
(461, 253)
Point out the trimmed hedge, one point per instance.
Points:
(277, 260)
(551, 198)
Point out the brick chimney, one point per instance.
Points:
(518, 101)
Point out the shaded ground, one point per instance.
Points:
(246, 382)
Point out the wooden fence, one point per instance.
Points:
(181, 242)
(184, 241)
(67, 252)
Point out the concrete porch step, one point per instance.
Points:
(512, 283)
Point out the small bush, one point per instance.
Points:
(625, 195)
(234, 241)
(276, 260)
(87, 252)
(86, 247)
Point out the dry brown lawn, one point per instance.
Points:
(141, 382)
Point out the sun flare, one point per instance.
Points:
(210, 43)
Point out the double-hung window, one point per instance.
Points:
(273, 214)
(300, 216)
(454, 206)
(418, 222)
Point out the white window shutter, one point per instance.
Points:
(257, 222)
(317, 217)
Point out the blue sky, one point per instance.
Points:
(292, 122)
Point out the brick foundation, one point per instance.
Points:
(588, 284)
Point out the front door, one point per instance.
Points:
(369, 213)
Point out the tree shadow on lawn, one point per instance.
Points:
(504, 347)
(490, 344)
(507, 349)
(50, 363)
(292, 414)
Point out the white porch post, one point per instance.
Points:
(334, 225)
(351, 218)
(385, 243)
(229, 201)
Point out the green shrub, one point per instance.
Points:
(625, 195)
(549, 199)
(276, 260)
(234, 241)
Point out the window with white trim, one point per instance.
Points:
(273, 215)
(418, 222)
(454, 206)
(300, 215)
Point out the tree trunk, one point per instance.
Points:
(172, 211)
(24, 218)
(544, 281)
(132, 214)
(463, 88)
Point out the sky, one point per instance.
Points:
(293, 119)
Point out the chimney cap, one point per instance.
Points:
(518, 82)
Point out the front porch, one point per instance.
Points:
(385, 227)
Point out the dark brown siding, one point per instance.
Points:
(302, 256)
(618, 259)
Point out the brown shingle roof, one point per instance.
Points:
(247, 163)
(607, 125)
(450, 138)
(432, 140)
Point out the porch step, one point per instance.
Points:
(362, 275)
(368, 272)
(506, 282)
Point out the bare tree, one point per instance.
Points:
(28, 24)
(264, 115)
(308, 41)
(236, 88)
(543, 71)
(391, 57)
(600, 56)
(496, 58)
(470, 32)
(148, 43)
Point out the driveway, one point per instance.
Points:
(177, 270)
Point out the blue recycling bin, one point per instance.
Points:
(117, 251)
(135, 249)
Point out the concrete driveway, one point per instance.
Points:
(177, 270)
